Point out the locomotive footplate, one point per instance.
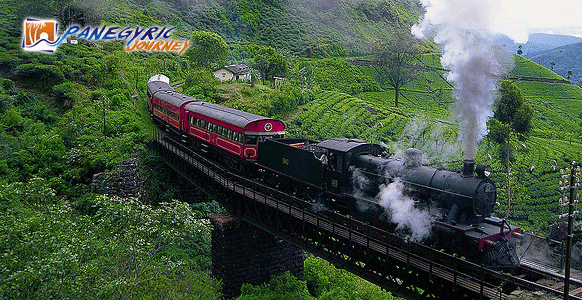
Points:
(486, 233)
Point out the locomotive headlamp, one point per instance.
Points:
(483, 170)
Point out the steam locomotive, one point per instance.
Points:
(345, 175)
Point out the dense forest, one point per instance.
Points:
(69, 115)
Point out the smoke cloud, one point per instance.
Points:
(412, 222)
(466, 29)
(403, 211)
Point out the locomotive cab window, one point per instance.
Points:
(264, 138)
(251, 140)
(339, 162)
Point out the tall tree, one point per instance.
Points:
(268, 61)
(392, 60)
(208, 49)
(513, 117)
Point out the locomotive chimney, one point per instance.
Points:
(468, 167)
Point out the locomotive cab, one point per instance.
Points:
(343, 152)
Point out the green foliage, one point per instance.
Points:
(65, 94)
(12, 119)
(208, 49)
(324, 49)
(512, 116)
(203, 85)
(333, 114)
(322, 281)
(268, 62)
(126, 250)
(284, 287)
(285, 99)
(337, 74)
(39, 74)
(509, 102)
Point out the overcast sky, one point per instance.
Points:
(545, 16)
(514, 18)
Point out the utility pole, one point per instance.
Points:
(573, 186)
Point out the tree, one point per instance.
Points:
(208, 49)
(268, 61)
(261, 64)
(512, 109)
(392, 58)
(513, 117)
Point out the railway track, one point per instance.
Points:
(547, 276)
(530, 279)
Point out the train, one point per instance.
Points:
(345, 175)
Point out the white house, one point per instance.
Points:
(233, 72)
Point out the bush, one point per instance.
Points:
(285, 99)
(12, 119)
(42, 76)
(65, 95)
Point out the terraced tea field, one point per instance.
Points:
(424, 120)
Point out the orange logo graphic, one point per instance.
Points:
(40, 35)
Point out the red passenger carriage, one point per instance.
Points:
(211, 127)
(231, 130)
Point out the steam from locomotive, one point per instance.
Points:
(403, 211)
(463, 29)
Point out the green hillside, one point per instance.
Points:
(312, 28)
(567, 61)
(423, 121)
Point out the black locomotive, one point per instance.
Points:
(350, 176)
(347, 175)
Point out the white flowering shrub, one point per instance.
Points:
(127, 250)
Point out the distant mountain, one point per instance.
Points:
(538, 42)
(565, 58)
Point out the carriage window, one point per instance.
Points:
(251, 140)
(264, 138)
(229, 134)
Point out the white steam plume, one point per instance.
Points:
(465, 29)
(403, 212)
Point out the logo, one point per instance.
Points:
(42, 35)
(268, 127)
